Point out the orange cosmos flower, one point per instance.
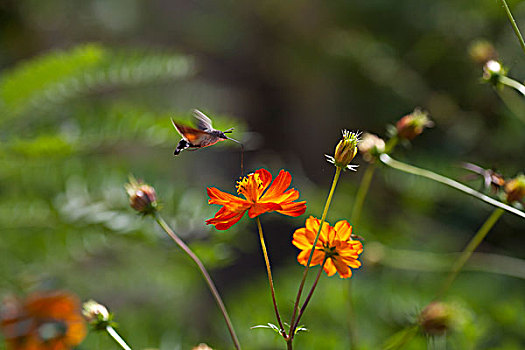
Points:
(334, 244)
(43, 321)
(257, 200)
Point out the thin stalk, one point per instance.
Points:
(309, 294)
(512, 83)
(469, 249)
(270, 279)
(513, 23)
(204, 273)
(307, 267)
(365, 183)
(361, 194)
(113, 333)
(387, 160)
(401, 338)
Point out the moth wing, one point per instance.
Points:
(202, 121)
(190, 134)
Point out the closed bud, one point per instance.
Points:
(413, 124)
(202, 346)
(97, 315)
(345, 150)
(94, 311)
(371, 146)
(492, 72)
(142, 197)
(515, 189)
(436, 318)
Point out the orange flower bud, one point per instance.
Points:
(202, 346)
(142, 197)
(371, 146)
(515, 189)
(436, 318)
(412, 125)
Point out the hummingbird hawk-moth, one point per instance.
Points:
(203, 135)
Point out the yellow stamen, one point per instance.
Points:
(249, 186)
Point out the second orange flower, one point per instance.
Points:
(259, 198)
(335, 250)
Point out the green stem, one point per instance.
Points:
(401, 338)
(512, 83)
(309, 295)
(270, 279)
(204, 273)
(307, 267)
(513, 24)
(469, 249)
(113, 333)
(361, 194)
(387, 160)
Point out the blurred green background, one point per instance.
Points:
(87, 90)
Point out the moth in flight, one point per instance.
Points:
(202, 135)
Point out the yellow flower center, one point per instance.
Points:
(329, 251)
(250, 187)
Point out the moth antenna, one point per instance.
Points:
(230, 130)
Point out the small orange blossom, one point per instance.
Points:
(334, 244)
(257, 200)
(43, 321)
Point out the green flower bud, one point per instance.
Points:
(345, 150)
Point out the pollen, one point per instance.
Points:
(241, 185)
(249, 183)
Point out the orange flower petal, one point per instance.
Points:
(223, 198)
(302, 258)
(293, 209)
(257, 202)
(317, 258)
(329, 267)
(265, 177)
(343, 270)
(344, 230)
(224, 219)
(301, 240)
(261, 208)
(312, 224)
(226, 223)
(279, 185)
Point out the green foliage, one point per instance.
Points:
(58, 76)
(76, 122)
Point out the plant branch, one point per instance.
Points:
(387, 160)
(469, 249)
(113, 333)
(503, 79)
(361, 194)
(301, 311)
(513, 24)
(204, 273)
(270, 279)
(307, 267)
